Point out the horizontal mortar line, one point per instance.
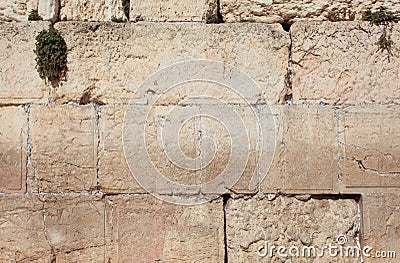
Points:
(372, 186)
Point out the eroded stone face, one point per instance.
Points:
(92, 10)
(175, 10)
(340, 63)
(16, 10)
(287, 221)
(306, 154)
(381, 227)
(274, 11)
(144, 229)
(64, 148)
(370, 145)
(112, 60)
(19, 80)
(13, 149)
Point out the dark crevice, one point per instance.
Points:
(225, 198)
(288, 97)
(219, 15)
(355, 197)
(286, 25)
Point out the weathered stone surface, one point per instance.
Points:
(22, 238)
(19, 80)
(381, 226)
(16, 10)
(13, 150)
(252, 223)
(175, 10)
(112, 60)
(306, 154)
(91, 10)
(64, 148)
(370, 149)
(49, 9)
(75, 227)
(274, 11)
(144, 229)
(340, 63)
(114, 173)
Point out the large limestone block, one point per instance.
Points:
(112, 60)
(255, 225)
(175, 10)
(144, 229)
(64, 148)
(91, 10)
(52, 228)
(306, 154)
(274, 11)
(370, 152)
(339, 63)
(19, 80)
(381, 227)
(13, 149)
(22, 238)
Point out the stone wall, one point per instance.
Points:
(327, 108)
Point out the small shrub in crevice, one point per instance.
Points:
(382, 18)
(51, 55)
(34, 15)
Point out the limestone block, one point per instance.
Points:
(49, 9)
(19, 80)
(175, 10)
(91, 10)
(22, 236)
(112, 60)
(370, 149)
(340, 63)
(381, 227)
(16, 10)
(274, 11)
(144, 229)
(64, 148)
(306, 154)
(13, 149)
(255, 225)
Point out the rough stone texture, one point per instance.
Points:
(19, 80)
(49, 9)
(13, 150)
(287, 221)
(64, 148)
(274, 11)
(370, 149)
(144, 229)
(112, 60)
(306, 154)
(51, 228)
(381, 225)
(339, 63)
(174, 10)
(114, 173)
(16, 10)
(91, 10)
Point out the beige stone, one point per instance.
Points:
(22, 236)
(64, 148)
(91, 10)
(339, 63)
(306, 154)
(19, 80)
(252, 223)
(370, 149)
(13, 149)
(16, 10)
(112, 60)
(274, 11)
(144, 229)
(49, 9)
(381, 227)
(173, 11)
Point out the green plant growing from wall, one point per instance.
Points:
(34, 15)
(51, 55)
(382, 18)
